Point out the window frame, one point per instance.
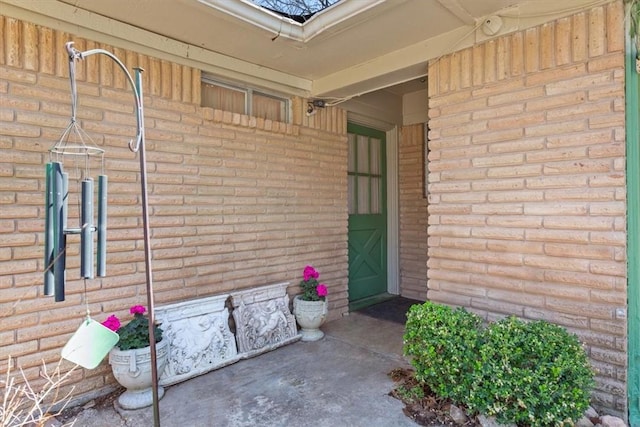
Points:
(249, 93)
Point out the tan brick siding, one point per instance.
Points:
(235, 201)
(413, 213)
(527, 183)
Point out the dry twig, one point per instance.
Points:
(23, 404)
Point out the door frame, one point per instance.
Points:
(393, 210)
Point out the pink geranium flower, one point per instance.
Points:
(322, 290)
(112, 322)
(310, 273)
(137, 309)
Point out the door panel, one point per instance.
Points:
(633, 232)
(367, 213)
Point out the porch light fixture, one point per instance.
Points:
(315, 104)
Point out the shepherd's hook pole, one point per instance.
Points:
(147, 251)
(136, 146)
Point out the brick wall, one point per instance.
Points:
(413, 213)
(235, 201)
(527, 173)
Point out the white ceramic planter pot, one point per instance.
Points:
(132, 369)
(310, 315)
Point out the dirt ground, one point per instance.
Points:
(104, 402)
(423, 407)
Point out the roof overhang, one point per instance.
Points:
(351, 48)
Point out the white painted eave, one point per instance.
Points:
(411, 62)
(82, 23)
(281, 26)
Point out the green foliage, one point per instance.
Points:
(135, 334)
(634, 17)
(533, 374)
(410, 394)
(443, 344)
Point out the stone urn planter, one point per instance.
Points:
(132, 369)
(310, 315)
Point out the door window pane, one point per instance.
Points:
(363, 195)
(351, 194)
(365, 181)
(352, 152)
(375, 195)
(375, 156)
(363, 154)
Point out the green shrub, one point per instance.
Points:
(443, 345)
(534, 374)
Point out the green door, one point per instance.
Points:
(633, 230)
(367, 213)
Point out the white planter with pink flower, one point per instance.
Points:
(132, 370)
(311, 307)
(130, 359)
(310, 315)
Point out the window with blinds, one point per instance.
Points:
(240, 100)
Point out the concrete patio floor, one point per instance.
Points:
(340, 380)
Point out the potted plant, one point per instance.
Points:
(130, 359)
(310, 307)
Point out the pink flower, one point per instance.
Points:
(321, 289)
(137, 309)
(112, 323)
(310, 272)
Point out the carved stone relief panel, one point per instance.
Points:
(263, 319)
(199, 338)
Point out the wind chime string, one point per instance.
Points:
(74, 93)
(72, 142)
(86, 300)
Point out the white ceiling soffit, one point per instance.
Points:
(353, 47)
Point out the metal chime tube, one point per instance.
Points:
(102, 226)
(63, 250)
(48, 232)
(59, 220)
(65, 200)
(86, 230)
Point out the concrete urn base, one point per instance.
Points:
(310, 315)
(132, 369)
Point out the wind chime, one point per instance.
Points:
(76, 152)
(69, 182)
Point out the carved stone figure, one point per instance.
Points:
(199, 337)
(263, 320)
